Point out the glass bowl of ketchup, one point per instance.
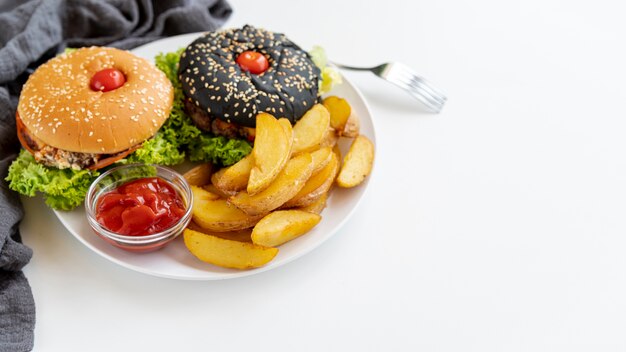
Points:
(139, 207)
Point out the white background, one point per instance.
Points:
(497, 225)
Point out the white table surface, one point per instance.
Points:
(497, 225)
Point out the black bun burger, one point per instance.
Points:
(229, 77)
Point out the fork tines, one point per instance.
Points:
(404, 77)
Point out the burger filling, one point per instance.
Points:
(216, 126)
(63, 159)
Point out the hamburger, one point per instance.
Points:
(229, 77)
(83, 111)
(92, 107)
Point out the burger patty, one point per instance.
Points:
(64, 159)
(206, 122)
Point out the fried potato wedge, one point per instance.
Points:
(309, 131)
(352, 127)
(199, 175)
(287, 127)
(337, 152)
(215, 214)
(321, 158)
(234, 178)
(288, 183)
(200, 194)
(317, 185)
(317, 206)
(330, 138)
(271, 150)
(241, 235)
(283, 226)
(227, 253)
(339, 110)
(357, 164)
(211, 188)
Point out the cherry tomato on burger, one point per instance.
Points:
(107, 79)
(253, 62)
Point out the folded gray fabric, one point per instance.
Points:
(32, 32)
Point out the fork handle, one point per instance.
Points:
(354, 68)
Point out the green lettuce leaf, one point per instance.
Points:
(63, 189)
(318, 56)
(168, 63)
(330, 76)
(218, 150)
(157, 150)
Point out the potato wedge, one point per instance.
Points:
(317, 206)
(199, 175)
(227, 253)
(234, 178)
(339, 110)
(216, 214)
(287, 126)
(309, 131)
(271, 150)
(317, 185)
(201, 195)
(288, 183)
(330, 138)
(211, 188)
(321, 158)
(337, 152)
(283, 226)
(352, 127)
(357, 164)
(241, 235)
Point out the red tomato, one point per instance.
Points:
(107, 79)
(253, 62)
(141, 207)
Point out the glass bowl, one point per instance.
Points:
(117, 176)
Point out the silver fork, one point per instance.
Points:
(405, 78)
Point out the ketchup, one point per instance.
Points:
(140, 208)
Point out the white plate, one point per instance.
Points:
(174, 261)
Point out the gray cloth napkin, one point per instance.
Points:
(31, 33)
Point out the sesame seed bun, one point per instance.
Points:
(58, 107)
